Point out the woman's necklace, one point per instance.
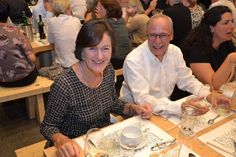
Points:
(85, 78)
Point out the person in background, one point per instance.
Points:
(84, 96)
(95, 10)
(136, 24)
(209, 50)
(124, 4)
(154, 6)
(62, 31)
(152, 69)
(205, 4)
(196, 11)
(231, 6)
(16, 57)
(181, 17)
(228, 4)
(78, 8)
(43, 8)
(117, 23)
(16, 9)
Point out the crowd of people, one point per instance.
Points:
(160, 44)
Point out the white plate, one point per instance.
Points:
(141, 145)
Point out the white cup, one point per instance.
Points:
(131, 136)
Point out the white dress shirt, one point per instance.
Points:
(147, 80)
(62, 32)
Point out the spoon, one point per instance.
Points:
(212, 121)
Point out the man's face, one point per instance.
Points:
(159, 36)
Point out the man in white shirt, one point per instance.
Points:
(152, 69)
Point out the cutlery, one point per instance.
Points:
(162, 145)
(212, 121)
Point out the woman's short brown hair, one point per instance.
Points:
(90, 35)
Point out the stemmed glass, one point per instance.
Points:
(93, 143)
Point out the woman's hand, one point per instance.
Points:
(199, 109)
(65, 147)
(219, 101)
(145, 110)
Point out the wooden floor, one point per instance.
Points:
(16, 130)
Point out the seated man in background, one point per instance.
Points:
(152, 70)
(16, 56)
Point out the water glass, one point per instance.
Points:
(188, 121)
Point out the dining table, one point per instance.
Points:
(194, 144)
(41, 45)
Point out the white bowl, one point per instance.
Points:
(131, 136)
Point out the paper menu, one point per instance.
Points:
(222, 137)
(178, 151)
(154, 135)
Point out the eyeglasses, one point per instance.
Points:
(153, 36)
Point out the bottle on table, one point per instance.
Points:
(42, 35)
(27, 26)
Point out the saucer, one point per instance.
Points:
(141, 145)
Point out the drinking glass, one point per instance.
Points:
(93, 143)
(188, 120)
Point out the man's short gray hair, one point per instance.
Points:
(157, 16)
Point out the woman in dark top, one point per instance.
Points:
(84, 96)
(209, 50)
(123, 44)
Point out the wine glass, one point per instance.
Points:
(93, 143)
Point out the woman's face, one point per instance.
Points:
(97, 58)
(223, 30)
